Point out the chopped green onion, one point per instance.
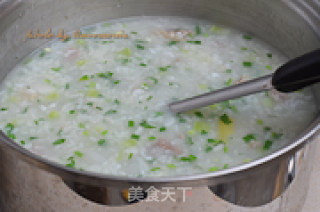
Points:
(56, 69)
(267, 128)
(110, 112)
(276, 135)
(149, 98)
(215, 142)
(130, 155)
(33, 138)
(140, 47)
(145, 124)
(171, 166)
(158, 114)
(67, 85)
(268, 67)
(42, 53)
(135, 136)
(72, 162)
(117, 102)
(155, 80)
(181, 119)
(171, 43)
(22, 142)
(84, 77)
(155, 169)
(164, 68)
(130, 123)
(208, 148)
(199, 114)
(213, 169)
(247, 37)
(225, 149)
(228, 71)
(259, 121)
(101, 142)
(151, 138)
(78, 153)
(162, 129)
(72, 112)
(59, 141)
(143, 64)
(107, 75)
(189, 141)
(267, 144)
(190, 158)
(228, 83)
(225, 119)
(249, 138)
(269, 55)
(198, 30)
(104, 132)
(247, 64)
(204, 132)
(225, 166)
(197, 42)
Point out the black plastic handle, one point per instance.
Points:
(298, 73)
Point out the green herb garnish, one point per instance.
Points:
(215, 142)
(107, 75)
(145, 124)
(199, 114)
(78, 153)
(130, 155)
(110, 112)
(198, 30)
(213, 169)
(189, 141)
(247, 37)
(276, 135)
(56, 69)
(162, 129)
(84, 77)
(140, 47)
(155, 169)
(247, 64)
(267, 144)
(135, 136)
(171, 43)
(130, 123)
(101, 142)
(225, 119)
(197, 42)
(189, 158)
(249, 138)
(164, 68)
(151, 138)
(59, 141)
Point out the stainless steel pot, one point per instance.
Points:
(292, 27)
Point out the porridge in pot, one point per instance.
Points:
(101, 104)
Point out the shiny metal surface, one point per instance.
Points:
(273, 21)
(231, 92)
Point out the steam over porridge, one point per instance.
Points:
(101, 104)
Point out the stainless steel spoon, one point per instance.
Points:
(292, 76)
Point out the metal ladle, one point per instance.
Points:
(292, 76)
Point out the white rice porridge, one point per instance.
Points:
(101, 105)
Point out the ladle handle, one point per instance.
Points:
(298, 73)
